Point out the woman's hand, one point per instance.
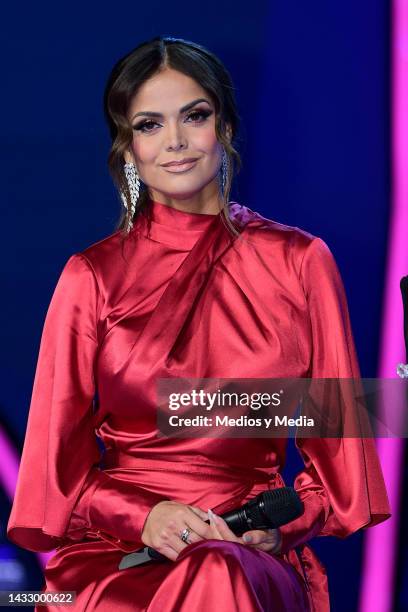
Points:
(167, 519)
(268, 540)
(165, 523)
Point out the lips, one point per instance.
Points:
(174, 168)
(181, 162)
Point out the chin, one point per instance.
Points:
(183, 191)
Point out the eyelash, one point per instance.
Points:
(140, 126)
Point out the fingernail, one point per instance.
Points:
(247, 538)
(214, 517)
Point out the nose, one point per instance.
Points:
(175, 139)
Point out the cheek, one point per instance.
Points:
(207, 141)
(145, 150)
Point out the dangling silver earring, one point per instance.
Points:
(133, 182)
(224, 168)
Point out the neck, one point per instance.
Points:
(202, 203)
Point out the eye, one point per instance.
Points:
(200, 113)
(199, 116)
(141, 127)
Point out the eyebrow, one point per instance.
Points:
(183, 109)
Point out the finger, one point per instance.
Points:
(168, 552)
(170, 543)
(269, 540)
(223, 528)
(192, 536)
(176, 544)
(196, 524)
(258, 536)
(214, 532)
(203, 515)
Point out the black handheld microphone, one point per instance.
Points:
(268, 510)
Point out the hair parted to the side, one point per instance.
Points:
(127, 76)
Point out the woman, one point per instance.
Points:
(189, 285)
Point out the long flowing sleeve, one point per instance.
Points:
(61, 493)
(342, 485)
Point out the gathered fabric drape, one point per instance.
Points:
(182, 298)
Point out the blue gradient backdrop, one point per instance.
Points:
(312, 83)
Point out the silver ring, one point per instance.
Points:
(184, 535)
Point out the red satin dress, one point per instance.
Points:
(182, 298)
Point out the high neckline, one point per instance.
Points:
(180, 219)
(178, 228)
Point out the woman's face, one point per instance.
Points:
(173, 118)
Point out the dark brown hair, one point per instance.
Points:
(131, 71)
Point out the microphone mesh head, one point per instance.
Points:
(281, 505)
